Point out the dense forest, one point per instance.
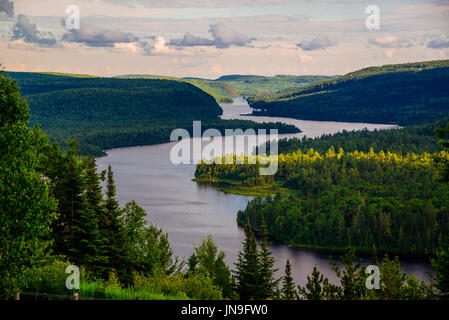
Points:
(251, 85)
(55, 213)
(106, 112)
(405, 94)
(416, 139)
(336, 199)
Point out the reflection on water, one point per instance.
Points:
(189, 211)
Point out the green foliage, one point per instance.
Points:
(247, 273)
(406, 94)
(440, 265)
(335, 199)
(412, 139)
(288, 291)
(317, 287)
(103, 113)
(250, 85)
(208, 259)
(269, 285)
(26, 206)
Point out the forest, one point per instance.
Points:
(335, 199)
(106, 112)
(404, 94)
(56, 213)
(410, 139)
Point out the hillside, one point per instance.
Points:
(405, 94)
(108, 112)
(251, 85)
(222, 92)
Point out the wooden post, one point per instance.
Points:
(17, 296)
(75, 296)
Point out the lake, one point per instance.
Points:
(189, 212)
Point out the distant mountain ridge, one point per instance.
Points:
(406, 94)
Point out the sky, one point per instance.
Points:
(210, 38)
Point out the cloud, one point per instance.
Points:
(27, 31)
(7, 7)
(191, 40)
(97, 37)
(159, 47)
(319, 43)
(223, 37)
(439, 43)
(388, 41)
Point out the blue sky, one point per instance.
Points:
(210, 38)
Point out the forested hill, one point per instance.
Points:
(251, 85)
(107, 112)
(406, 94)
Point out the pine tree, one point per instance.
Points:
(247, 274)
(314, 289)
(269, 285)
(111, 227)
(288, 291)
(88, 245)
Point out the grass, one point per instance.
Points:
(102, 290)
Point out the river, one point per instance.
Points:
(189, 212)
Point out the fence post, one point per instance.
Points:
(75, 296)
(17, 296)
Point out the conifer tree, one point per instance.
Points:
(315, 286)
(269, 284)
(288, 291)
(88, 245)
(111, 227)
(247, 274)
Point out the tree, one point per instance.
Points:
(111, 228)
(26, 207)
(352, 277)
(443, 134)
(268, 283)
(440, 265)
(88, 244)
(247, 273)
(288, 291)
(317, 287)
(209, 259)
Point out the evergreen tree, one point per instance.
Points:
(26, 206)
(247, 274)
(111, 227)
(269, 285)
(352, 277)
(288, 291)
(87, 242)
(440, 265)
(315, 286)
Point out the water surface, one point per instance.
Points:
(189, 212)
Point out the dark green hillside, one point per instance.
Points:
(222, 92)
(412, 139)
(406, 94)
(251, 85)
(109, 112)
